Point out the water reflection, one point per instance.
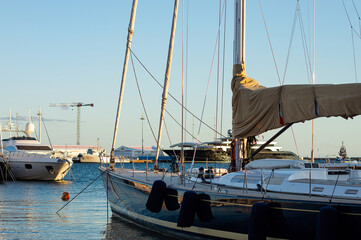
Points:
(28, 210)
(121, 228)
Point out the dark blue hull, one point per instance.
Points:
(232, 215)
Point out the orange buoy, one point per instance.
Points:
(65, 196)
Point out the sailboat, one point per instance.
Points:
(300, 201)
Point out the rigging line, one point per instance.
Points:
(294, 139)
(359, 19)
(305, 48)
(209, 77)
(349, 20)
(224, 57)
(290, 44)
(171, 94)
(219, 47)
(143, 105)
(182, 132)
(334, 188)
(356, 9)
(141, 98)
(144, 109)
(352, 37)
(186, 68)
(269, 40)
(354, 55)
(205, 97)
(348, 17)
(47, 134)
(36, 133)
(170, 141)
(289, 50)
(288, 55)
(181, 125)
(57, 212)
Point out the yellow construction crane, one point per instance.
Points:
(78, 105)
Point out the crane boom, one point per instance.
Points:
(78, 105)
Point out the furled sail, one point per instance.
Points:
(257, 109)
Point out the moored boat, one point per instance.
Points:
(28, 159)
(291, 200)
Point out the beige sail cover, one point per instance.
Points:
(257, 109)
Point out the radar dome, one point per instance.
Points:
(230, 133)
(29, 128)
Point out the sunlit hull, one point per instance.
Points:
(289, 217)
(37, 167)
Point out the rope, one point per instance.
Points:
(141, 98)
(143, 105)
(334, 188)
(80, 192)
(205, 97)
(349, 20)
(224, 57)
(269, 40)
(290, 44)
(354, 55)
(172, 95)
(359, 19)
(352, 32)
(47, 134)
(166, 130)
(304, 43)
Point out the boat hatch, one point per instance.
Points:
(351, 191)
(237, 179)
(318, 189)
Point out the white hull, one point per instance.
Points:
(26, 166)
(87, 158)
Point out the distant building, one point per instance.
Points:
(136, 151)
(75, 150)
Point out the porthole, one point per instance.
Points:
(28, 166)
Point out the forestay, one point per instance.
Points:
(257, 109)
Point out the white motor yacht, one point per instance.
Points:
(30, 160)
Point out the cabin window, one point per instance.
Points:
(237, 178)
(28, 166)
(307, 165)
(317, 189)
(10, 148)
(314, 165)
(351, 191)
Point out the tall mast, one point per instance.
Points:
(240, 32)
(239, 70)
(127, 51)
(166, 80)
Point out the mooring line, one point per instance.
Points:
(81, 191)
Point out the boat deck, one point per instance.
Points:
(173, 180)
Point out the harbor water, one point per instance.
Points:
(28, 209)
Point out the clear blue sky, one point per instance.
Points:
(73, 51)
